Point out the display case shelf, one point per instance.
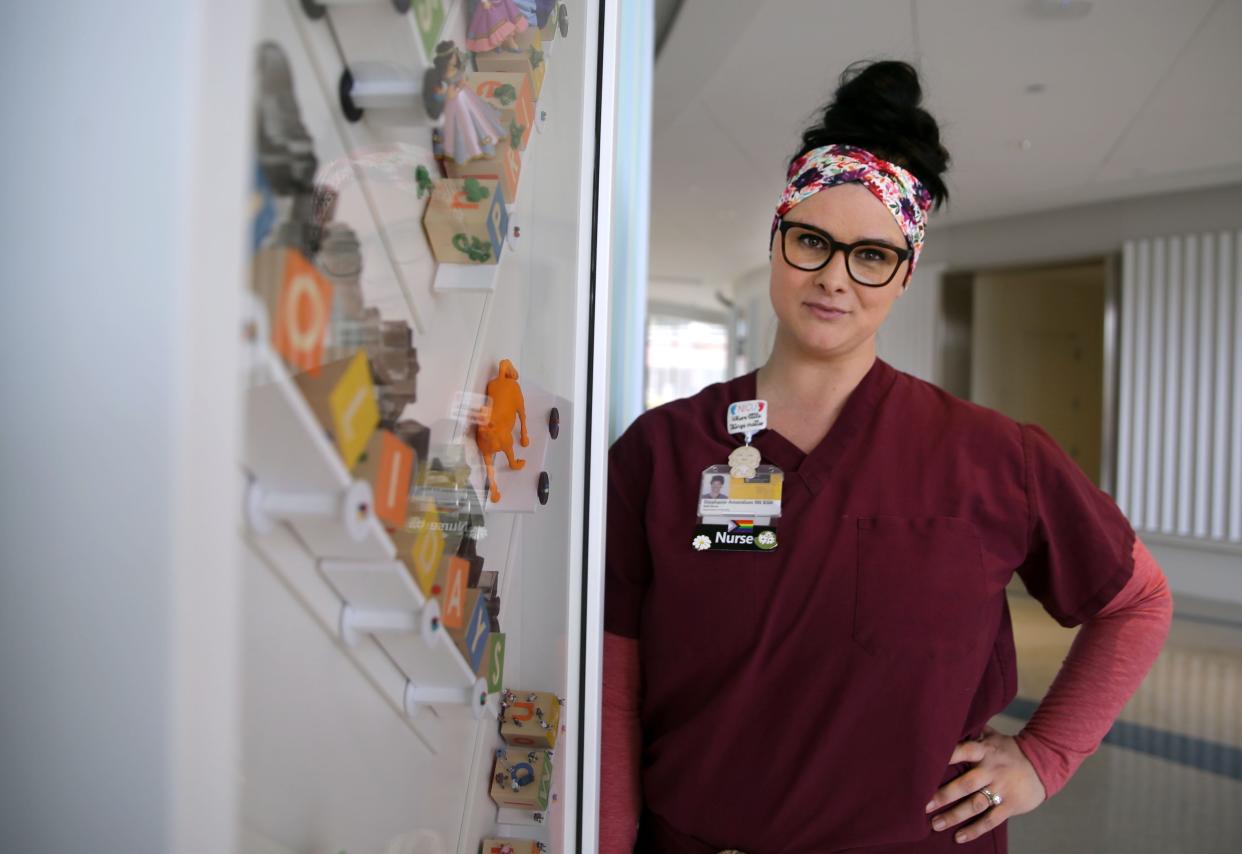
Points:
(286, 453)
(367, 727)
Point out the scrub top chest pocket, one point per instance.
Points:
(919, 587)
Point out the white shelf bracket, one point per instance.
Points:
(352, 507)
(356, 622)
(474, 697)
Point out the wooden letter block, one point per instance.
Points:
(511, 94)
(531, 720)
(454, 576)
(299, 307)
(522, 778)
(428, 17)
(530, 37)
(505, 167)
(341, 396)
(529, 61)
(466, 221)
(472, 639)
(421, 550)
(510, 846)
(495, 662)
(387, 465)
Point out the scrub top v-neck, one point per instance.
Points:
(808, 699)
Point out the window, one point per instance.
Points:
(684, 354)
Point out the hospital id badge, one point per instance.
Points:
(738, 507)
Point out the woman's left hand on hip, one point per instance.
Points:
(1000, 766)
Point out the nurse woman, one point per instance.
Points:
(832, 693)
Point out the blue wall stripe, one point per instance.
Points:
(1210, 756)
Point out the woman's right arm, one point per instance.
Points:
(627, 573)
(620, 795)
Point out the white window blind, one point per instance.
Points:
(1179, 438)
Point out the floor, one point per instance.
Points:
(1168, 777)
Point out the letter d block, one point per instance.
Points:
(421, 549)
(467, 224)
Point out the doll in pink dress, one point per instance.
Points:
(471, 125)
(493, 24)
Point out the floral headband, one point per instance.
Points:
(820, 168)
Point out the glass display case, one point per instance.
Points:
(422, 446)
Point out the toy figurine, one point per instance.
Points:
(471, 125)
(493, 24)
(544, 10)
(496, 436)
(423, 178)
(529, 8)
(286, 152)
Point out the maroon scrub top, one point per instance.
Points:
(808, 699)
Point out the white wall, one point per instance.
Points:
(1081, 232)
(1094, 230)
(122, 251)
(696, 296)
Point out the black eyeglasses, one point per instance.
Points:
(868, 263)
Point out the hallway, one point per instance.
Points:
(1168, 777)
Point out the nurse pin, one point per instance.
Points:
(744, 461)
(747, 417)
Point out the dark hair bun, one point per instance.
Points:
(878, 106)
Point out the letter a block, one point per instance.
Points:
(466, 221)
(341, 396)
(472, 639)
(532, 720)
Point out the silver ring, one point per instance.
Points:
(992, 797)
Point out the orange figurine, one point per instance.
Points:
(496, 435)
